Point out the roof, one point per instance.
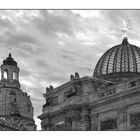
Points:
(119, 62)
(9, 61)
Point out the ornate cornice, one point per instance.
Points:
(113, 99)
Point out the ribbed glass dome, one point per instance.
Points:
(119, 62)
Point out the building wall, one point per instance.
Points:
(92, 108)
(22, 101)
(24, 106)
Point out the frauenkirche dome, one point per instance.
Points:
(119, 62)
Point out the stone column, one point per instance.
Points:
(122, 118)
(85, 121)
(75, 121)
(74, 124)
(94, 121)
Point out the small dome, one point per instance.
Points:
(119, 62)
(9, 61)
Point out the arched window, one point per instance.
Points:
(5, 74)
(14, 76)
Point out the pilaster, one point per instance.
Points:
(94, 121)
(85, 120)
(122, 118)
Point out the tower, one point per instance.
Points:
(10, 73)
(15, 105)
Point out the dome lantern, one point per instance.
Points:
(9, 60)
(125, 41)
(10, 72)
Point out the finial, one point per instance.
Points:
(125, 40)
(126, 27)
(77, 75)
(71, 77)
(10, 52)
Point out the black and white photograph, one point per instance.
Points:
(70, 70)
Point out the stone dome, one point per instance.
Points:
(119, 62)
(9, 61)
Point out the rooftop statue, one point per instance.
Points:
(126, 27)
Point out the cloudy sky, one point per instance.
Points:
(49, 45)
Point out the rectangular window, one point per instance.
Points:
(134, 119)
(69, 95)
(133, 83)
(102, 95)
(54, 100)
(51, 101)
(109, 124)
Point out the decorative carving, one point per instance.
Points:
(126, 27)
(71, 92)
(71, 77)
(77, 75)
(51, 101)
(51, 87)
(47, 89)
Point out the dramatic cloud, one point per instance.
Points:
(49, 45)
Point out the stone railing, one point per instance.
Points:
(107, 93)
(119, 88)
(134, 83)
(75, 100)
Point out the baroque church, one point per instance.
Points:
(16, 110)
(108, 100)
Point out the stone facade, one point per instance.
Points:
(6, 126)
(92, 106)
(96, 103)
(15, 105)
